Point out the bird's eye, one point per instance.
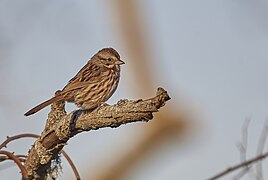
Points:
(109, 59)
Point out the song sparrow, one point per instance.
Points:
(92, 85)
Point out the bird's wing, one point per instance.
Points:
(75, 85)
(89, 74)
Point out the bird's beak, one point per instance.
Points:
(119, 62)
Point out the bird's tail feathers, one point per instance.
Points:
(43, 105)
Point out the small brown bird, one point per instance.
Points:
(94, 84)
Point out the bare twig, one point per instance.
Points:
(12, 138)
(238, 166)
(3, 158)
(20, 157)
(23, 157)
(60, 127)
(71, 164)
(17, 161)
(244, 142)
(260, 149)
(242, 146)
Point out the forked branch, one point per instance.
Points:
(238, 166)
(22, 158)
(18, 162)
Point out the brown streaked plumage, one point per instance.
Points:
(94, 84)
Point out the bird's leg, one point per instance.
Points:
(75, 116)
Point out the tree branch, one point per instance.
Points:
(242, 147)
(71, 164)
(60, 127)
(20, 157)
(235, 167)
(23, 157)
(12, 138)
(17, 161)
(260, 149)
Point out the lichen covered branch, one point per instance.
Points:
(60, 127)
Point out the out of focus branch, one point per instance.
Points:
(246, 165)
(260, 149)
(241, 165)
(242, 147)
(61, 127)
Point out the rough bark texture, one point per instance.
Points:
(60, 127)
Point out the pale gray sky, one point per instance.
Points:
(212, 54)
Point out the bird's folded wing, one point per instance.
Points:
(75, 85)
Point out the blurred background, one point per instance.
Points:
(211, 57)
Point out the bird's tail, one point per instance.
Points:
(43, 105)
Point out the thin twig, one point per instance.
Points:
(242, 146)
(261, 145)
(235, 167)
(17, 161)
(71, 164)
(20, 157)
(12, 138)
(3, 158)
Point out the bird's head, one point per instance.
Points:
(109, 58)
